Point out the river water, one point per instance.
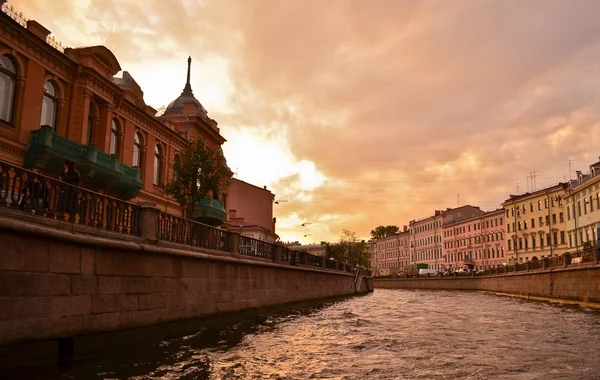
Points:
(390, 334)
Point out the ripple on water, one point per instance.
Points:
(390, 334)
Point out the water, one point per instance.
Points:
(390, 334)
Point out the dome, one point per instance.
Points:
(176, 106)
(187, 96)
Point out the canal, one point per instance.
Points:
(390, 334)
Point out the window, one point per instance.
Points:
(158, 158)
(8, 81)
(137, 150)
(532, 223)
(114, 137)
(92, 115)
(49, 105)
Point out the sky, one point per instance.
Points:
(365, 113)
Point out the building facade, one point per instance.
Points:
(58, 104)
(475, 242)
(392, 253)
(536, 224)
(426, 241)
(426, 235)
(251, 211)
(582, 199)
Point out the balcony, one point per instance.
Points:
(210, 211)
(99, 170)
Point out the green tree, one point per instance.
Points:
(381, 232)
(350, 250)
(197, 171)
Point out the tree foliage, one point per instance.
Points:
(197, 171)
(349, 250)
(381, 232)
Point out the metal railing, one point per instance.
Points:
(44, 196)
(36, 193)
(259, 248)
(313, 260)
(185, 231)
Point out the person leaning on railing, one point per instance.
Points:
(32, 193)
(69, 194)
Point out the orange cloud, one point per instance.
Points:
(401, 106)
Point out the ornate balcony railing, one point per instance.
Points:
(185, 231)
(42, 195)
(48, 150)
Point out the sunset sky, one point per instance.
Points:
(365, 113)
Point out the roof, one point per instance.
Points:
(187, 96)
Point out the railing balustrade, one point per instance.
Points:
(313, 260)
(185, 231)
(48, 197)
(41, 195)
(253, 247)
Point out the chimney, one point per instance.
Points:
(37, 29)
(264, 187)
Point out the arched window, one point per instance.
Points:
(137, 150)
(92, 115)
(158, 157)
(49, 105)
(114, 137)
(8, 81)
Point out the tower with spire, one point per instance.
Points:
(178, 106)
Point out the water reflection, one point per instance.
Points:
(390, 334)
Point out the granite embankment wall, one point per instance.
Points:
(59, 283)
(579, 283)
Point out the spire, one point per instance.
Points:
(188, 88)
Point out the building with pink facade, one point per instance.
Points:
(251, 211)
(476, 242)
(392, 253)
(426, 235)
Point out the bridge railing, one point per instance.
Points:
(48, 197)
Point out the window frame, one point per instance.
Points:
(51, 99)
(115, 133)
(13, 78)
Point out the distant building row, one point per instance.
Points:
(541, 223)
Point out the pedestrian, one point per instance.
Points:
(69, 194)
(71, 175)
(33, 193)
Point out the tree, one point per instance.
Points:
(197, 171)
(349, 250)
(381, 232)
